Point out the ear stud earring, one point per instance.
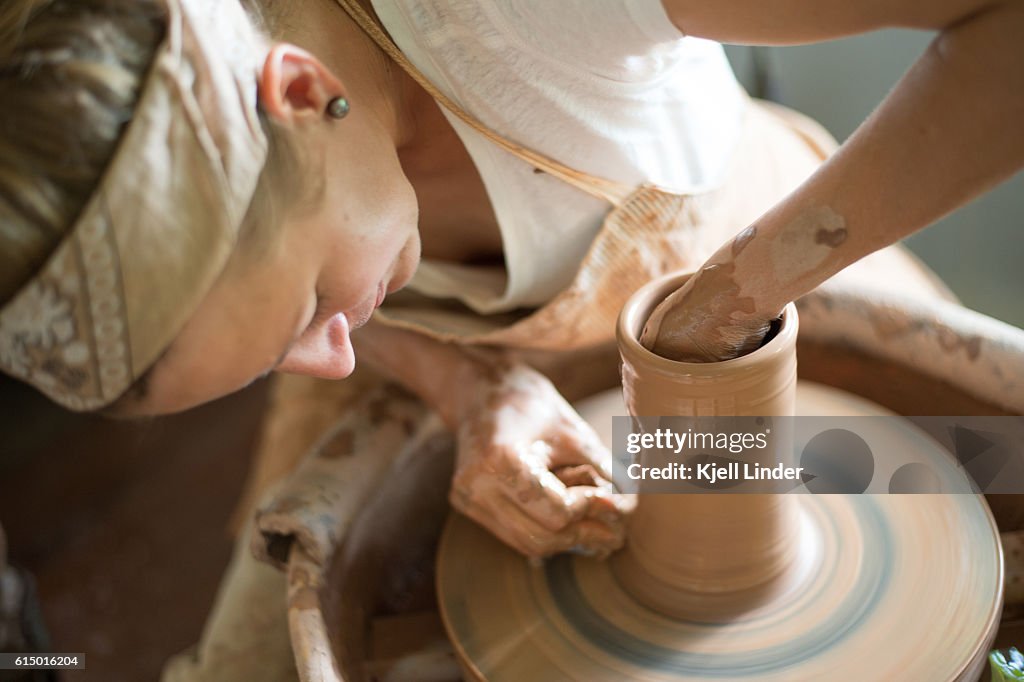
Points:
(338, 108)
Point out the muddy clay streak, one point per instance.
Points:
(830, 238)
(742, 239)
(803, 244)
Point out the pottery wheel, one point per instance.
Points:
(886, 587)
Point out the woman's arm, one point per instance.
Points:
(528, 468)
(950, 130)
(443, 375)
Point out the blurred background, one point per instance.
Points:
(978, 250)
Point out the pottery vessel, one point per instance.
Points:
(706, 555)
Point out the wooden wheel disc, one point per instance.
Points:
(886, 587)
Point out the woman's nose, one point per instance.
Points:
(323, 351)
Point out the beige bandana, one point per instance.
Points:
(160, 226)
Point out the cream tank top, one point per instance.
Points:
(607, 87)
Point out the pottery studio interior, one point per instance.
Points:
(511, 341)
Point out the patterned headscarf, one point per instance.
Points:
(159, 228)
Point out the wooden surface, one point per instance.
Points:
(123, 523)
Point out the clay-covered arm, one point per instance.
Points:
(950, 130)
(528, 468)
(443, 375)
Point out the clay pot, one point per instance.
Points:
(727, 552)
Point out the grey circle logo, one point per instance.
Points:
(837, 461)
(914, 477)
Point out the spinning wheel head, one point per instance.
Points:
(885, 587)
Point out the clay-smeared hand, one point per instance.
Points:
(707, 320)
(535, 474)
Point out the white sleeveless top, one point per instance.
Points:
(608, 87)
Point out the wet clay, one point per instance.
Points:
(705, 556)
(830, 238)
(723, 311)
(742, 239)
(707, 319)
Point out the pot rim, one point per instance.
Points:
(654, 292)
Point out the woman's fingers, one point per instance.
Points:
(544, 498)
(550, 502)
(580, 445)
(580, 474)
(604, 505)
(539, 495)
(503, 517)
(556, 506)
(531, 470)
(568, 478)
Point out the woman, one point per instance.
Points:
(264, 198)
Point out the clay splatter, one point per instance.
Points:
(742, 239)
(830, 238)
(803, 244)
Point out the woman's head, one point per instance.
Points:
(331, 221)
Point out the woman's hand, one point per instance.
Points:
(707, 320)
(531, 471)
(528, 468)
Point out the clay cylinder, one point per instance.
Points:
(706, 556)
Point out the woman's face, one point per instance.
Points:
(291, 303)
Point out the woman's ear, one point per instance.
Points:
(295, 86)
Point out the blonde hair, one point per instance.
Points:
(71, 72)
